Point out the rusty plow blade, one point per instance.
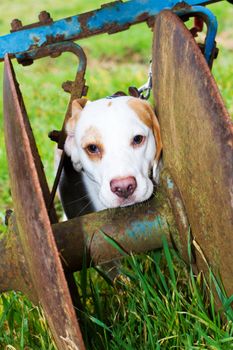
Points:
(40, 262)
(197, 135)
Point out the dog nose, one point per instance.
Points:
(123, 187)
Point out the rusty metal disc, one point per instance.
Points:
(30, 196)
(198, 138)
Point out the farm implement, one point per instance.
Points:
(192, 205)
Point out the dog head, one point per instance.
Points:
(116, 142)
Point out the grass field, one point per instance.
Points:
(162, 305)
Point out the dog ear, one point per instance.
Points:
(70, 147)
(148, 117)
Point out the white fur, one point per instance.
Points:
(117, 124)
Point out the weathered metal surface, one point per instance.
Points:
(41, 255)
(135, 229)
(179, 236)
(110, 18)
(76, 88)
(198, 138)
(33, 147)
(14, 269)
(212, 25)
(55, 50)
(44, 18)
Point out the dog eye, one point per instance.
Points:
(138, 140)
(92, 148)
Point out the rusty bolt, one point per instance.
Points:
(44, 17)
(150, 22)
(16, 24)
(55, 54)
(67, 86)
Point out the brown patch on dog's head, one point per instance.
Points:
(146, 114)
(92, 139)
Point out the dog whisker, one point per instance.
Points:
(78, 183)
(85, 206)
(110, 165)
(78, 199)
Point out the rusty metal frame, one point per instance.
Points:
(197, 135)
(110, 18)
(40, 245)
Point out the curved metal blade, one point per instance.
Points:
(198, 138)
(28, 187)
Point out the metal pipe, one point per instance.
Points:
(110, 18)
(133, 229)
(137, 229)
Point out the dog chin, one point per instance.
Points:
(124, 202)
(108, 200)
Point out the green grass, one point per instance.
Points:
(160, 304)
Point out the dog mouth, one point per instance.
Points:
(119, 202)
(114, 200)
(131, 201)
(127, 202)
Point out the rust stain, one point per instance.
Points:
(142, 17)
(197, 141)
(36, 39)
(50, 39)
(35, 232)
(181, 6)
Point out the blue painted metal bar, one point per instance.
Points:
(110, 18)
(212, 26)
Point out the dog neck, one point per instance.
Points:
(75, 196)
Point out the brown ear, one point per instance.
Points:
(157, 164)
(148, 117)
(156, 130)
(157, 134)
(77, 106)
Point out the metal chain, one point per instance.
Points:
(144, 90)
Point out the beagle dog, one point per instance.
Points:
(113, 146)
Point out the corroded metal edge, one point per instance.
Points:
(35, 231)
(137, 229)
(197, 136)
(110, 18)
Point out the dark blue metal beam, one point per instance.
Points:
(110, 18)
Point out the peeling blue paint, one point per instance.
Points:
(170, 183)
(115, 16)
(140, 229)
